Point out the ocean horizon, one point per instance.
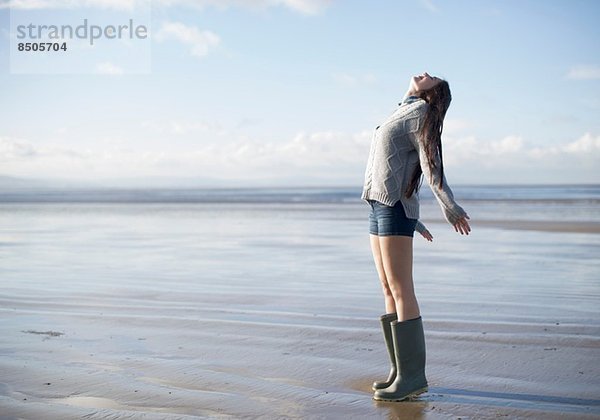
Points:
(471, 192)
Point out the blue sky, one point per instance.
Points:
(287, 92)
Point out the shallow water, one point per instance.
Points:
(271, 310)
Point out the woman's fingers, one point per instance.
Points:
(458, 226)
(427, 235)
(462, 226)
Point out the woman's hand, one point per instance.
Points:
(462, 225)
(427, 235)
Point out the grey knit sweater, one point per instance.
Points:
(396, 150)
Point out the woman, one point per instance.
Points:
(407, 145)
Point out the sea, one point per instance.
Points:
(502, 202)
(300, 236)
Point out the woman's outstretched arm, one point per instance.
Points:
(452, 211)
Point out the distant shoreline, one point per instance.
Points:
(11, 183)
(581, 194)
(537, 225)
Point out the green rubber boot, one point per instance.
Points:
(387, 335)
(409, 346)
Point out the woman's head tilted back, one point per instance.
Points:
(436, 92)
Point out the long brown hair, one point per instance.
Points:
(438, 98)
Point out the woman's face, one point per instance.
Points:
(423, 82)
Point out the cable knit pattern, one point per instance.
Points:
(396, 150)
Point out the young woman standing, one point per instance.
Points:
(404, 147)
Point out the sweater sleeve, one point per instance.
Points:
(452, 211)
(420, 227)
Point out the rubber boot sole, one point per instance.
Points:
(407, 397)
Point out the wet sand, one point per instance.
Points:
(543, 226)
(176, 360)
(286, 325)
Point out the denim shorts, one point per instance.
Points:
(386, 221)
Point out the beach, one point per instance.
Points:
(270, 309)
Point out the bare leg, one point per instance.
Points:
(390, 305)
(397, 261)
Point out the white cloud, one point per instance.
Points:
(331, 156)
(584, 72)
(586, 146)
(308, 7)
(185, 128)
(200, 42)
(510, 144)
(14, 150)
(512, 150)
(511, 159)
(108, 68)
(430, 6)
(460, 150)
(11, 149)
(71, 4)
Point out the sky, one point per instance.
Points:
(288, 92)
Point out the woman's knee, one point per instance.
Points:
(387, 291)
(401, 288)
